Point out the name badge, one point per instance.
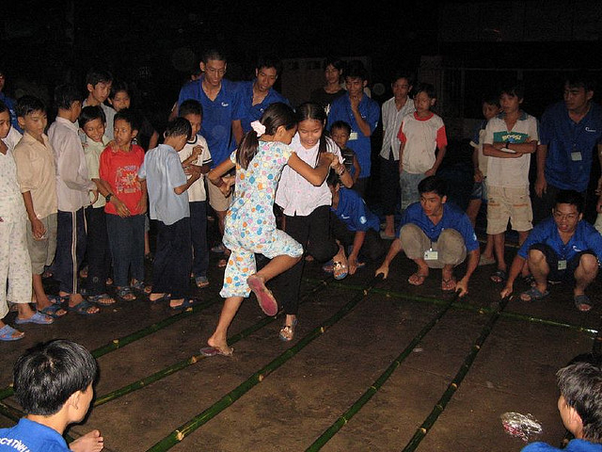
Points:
(431, 255)
(562, 265)
(353, 136)
(576, 156)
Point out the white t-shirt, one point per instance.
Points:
(295, 194)
(510, 172)
(196, 192)
(422, 137)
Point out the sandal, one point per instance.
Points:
(103, 299)
(287, 332)
(267, 302)
(582, 302)
(125, 294)
(328, 267)
(83, 308)
(215, 351)
(484, 260)
(533, 294)
(8, 333)
(339, 270)
(57, 299)
(139, 285)
(528, 280)
(498, 276)
(187, 303)
(52, 310)
(417, 279)
(38, 318)
(448, 285)
(201, 281)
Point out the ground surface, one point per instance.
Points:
(293, 405)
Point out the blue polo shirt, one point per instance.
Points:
(340, 110)
(252, 112)
(586, 237)
(453, 218)
(218, 115)
(31, 436)
(352, 211)
(563, 137)
(575, 445)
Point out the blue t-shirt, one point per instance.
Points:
(250, 112)
(32, 437)
(586, 237)
(576, 445)
(340, 110)
(566, 139)
(218, 115)
(453, 218)
(10, 104)
(352, 211)
(163, 172)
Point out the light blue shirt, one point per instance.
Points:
(163, 172)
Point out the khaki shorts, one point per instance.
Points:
(508, 203)
(41, 252)
(217, 200)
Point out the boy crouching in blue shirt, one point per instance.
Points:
(167, 184)
(354, 225)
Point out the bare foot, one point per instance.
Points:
(417, 279)
(90, 442)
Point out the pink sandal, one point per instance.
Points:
(267, 302)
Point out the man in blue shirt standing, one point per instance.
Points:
(569, 132)
(563, 247)
(258, 94)
(435, 234)
(362, 114)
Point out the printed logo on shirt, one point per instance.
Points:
(345, 217)
(225, 104)
(587, 129)
(363, 219)
(512, 137)
(126, 179)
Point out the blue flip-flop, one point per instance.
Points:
(38, 318)
(7, 334)
(187, 303)
(82, 307)
(51, 311)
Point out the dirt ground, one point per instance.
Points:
(326, 373)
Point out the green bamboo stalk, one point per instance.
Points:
(455, 384)
(480, 310)
(373, 389)
(186, 429)
(165, 372)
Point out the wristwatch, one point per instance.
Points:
(108, 197)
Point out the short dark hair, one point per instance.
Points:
(490, 99)
(341, 125)
(356, 69)
(427, 88)
(336, 62)
(268, 61)
(3, 107)
(402, 74)
(581, 386)
(433, 184)
(178, 127)
(128, 115)
(513, 89)
(90, 113)
(571, 197)
(213, 54)
(333, 178)
(48, 374)
(119, 86)
(65, 95)
(27, 105)
(96, 76)
(190, 107)
(581, 79)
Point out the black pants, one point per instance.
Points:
(70, 249)
(389, 184)
(198, 230)
(313, 232)
(97, 249)
(173, 259)
(373, 248)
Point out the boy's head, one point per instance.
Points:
(333, 69)
(490, 106)
(55, 375)
(120, 96)
(356, 78)
(580, 401)
(177, 133)
(92, 121)
(401, 85)
(214, 65)
(98, 84)
(433, 194)
(68, 101)
(568, 210)
(267, 70)
(334, 184)
(4, 120)
(339, 132)
(125, 127)
(425, 97)
(31, 114)
(579, 90)
(511, 96)
(192, 110)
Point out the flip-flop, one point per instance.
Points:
(201, 282)
(534, 294)
(267, 302)
(51, 311)
(125, 294)
(82, 307)
(339, 271)
(8, 334)
(187, 303)
(215, 351)
(161, 299)
(103, 299)
(287, 332)
(498, 276)
(448, 285)
(38, 318)
(419, 281)
(582, 302)
(57, 299)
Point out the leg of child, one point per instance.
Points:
(219, 337)
(137, 250)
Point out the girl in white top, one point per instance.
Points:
(307, 209)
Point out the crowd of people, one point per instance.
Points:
(284, 183)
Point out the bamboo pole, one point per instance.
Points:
(453, 386)
(373, 389)
(186, 429)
